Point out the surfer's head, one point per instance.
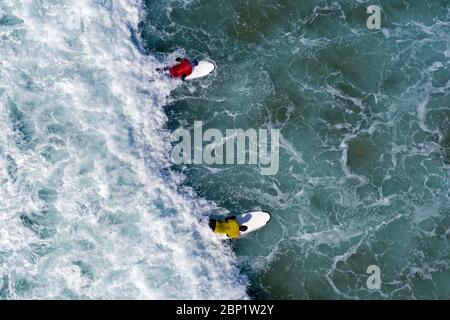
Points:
(243, 228)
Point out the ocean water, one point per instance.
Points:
(89, 208)
(365, 150)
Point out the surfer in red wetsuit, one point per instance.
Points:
(182, 69)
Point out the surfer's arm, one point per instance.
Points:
(162, 69)
(183, 77)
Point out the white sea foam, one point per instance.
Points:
(88, 206)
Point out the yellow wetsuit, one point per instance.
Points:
(230, 228)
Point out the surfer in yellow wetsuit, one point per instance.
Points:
(230, 227)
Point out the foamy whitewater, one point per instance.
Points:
(88, 206)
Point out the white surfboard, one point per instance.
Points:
(201, 70)
(253, 220)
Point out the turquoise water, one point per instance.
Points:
(91, 206)
(365, 149)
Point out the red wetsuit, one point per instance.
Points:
(183, 68)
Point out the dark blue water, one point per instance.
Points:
(365, 148)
